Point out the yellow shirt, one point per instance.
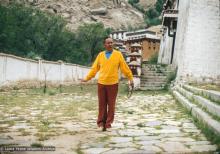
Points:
(108, 68)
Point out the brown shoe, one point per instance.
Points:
(104, 129)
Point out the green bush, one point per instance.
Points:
(153, 21)
(28, 32)
(159, 5)
(152, 15)
(139, 8)
(153, 58)
(132, 2)
(171, 76)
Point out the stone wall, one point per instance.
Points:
(13, 68)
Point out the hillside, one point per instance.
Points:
(146, 4)
(117, 14)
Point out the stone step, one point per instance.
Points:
(145, 74)
(198, 113)
(184, 101)
(153, 77)
(210, 106)
(150, 88)
(210, 94)
(154, 69)
(154, 66)
(153, 83)
(154, 80)
(156, 72)
(157, 67)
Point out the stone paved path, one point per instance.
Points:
(143, 124)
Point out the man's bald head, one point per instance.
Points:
(108, 43)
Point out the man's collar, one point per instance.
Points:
(108, 51)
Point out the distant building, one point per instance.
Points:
(119, 45)
(149, 41)
(118, 35)
(134, 61)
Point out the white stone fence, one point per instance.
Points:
(13, 68)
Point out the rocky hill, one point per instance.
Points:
(147, 3)
(117, 14)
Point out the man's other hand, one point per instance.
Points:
(131, 83)
(83, 80)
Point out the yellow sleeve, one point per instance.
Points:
(95, 68)
(125, 69)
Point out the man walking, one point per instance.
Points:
(108, 63)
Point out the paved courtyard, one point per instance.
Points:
(145, 123)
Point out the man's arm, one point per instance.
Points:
(95, 68)
(126, 70)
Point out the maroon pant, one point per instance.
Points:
(107, 96)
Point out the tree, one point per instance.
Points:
(132, 2)
(159, 5)
(28, 32)
(152, 15)
(91, 36)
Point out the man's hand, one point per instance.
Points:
(131, 83)
(83, 80)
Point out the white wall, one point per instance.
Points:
(198, 40)
(13, 68)
(182, 25)
(166, 42)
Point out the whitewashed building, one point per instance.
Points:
(191, 39)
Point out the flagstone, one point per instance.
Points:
(120, 139)
(149, 142)
(147, 138)
(131, 132)
(179, 139)
(95, 150)
(153, 123)
(174, 123)
(120, 151)
(123, 145)
(173, 147)
(190, 143)
(151, 149)
(203, 148)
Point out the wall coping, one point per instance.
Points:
(36, 61)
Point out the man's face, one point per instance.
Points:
(108, 44)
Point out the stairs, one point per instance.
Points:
(154, 77)
(204, 105)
